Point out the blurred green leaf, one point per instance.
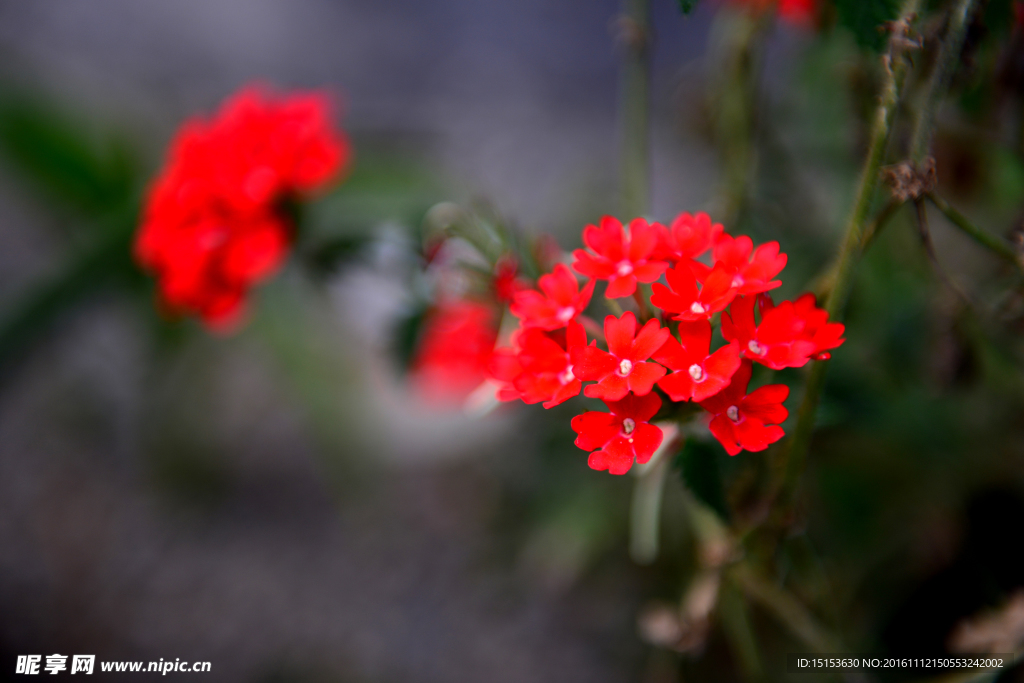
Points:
(687, 6)
(59, 156)
(699, 465)
(864, 19)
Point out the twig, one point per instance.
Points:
(929, 248)
(794, 454)
(786, 609)
(998, 246)
(635, 36)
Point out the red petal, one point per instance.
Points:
(620, 286)
(678, 386)
(646, 439)
(611, 388)
(650, 338)
(643, 377)
(600, 460)
(619, 333)
(642, 239)
(722, 429)
(595, 429)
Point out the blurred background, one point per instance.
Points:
(280, 501)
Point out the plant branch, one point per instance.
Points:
(995, 244)
(635, 36)
(794, 454)
(929, 249)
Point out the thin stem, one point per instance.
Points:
(736, 622)
(645, 517)
(946, 63)
(794, 454)
(874, 228)
(614, 306)
(640, 297)
(634, 108)
(786, 609)
(929, 249)
(998, 246)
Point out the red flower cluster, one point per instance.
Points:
(213, 224)
(549, 359)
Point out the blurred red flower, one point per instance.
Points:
(789, 335)
(622, 259)
(561, 302)
(454, 353)
(213, 225)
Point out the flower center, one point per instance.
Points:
(697, 373)
(733, 413)
(624, 268)
(737, 281)
(628, 425)
(625, 367)
(697, 308)
(566, 376)
(566, 314)
(755, 348)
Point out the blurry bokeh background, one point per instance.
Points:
(279, 503)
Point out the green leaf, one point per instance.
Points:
(702, 473)
(62, 158)
(864, 19)
(687, 6)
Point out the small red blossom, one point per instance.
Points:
(747, 421)
(506, 281)
(561, 302)
(797, 12)
(750, 274)
(454, 355)
(621, 435)
(699, 373)
(622, 369)
(688, 237)
(539, 369)
(789, 335)
(622, 259)
(689, 302)
(212, 225)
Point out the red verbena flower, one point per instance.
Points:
(506, 281)
(750, 274)
(689, 302)
(212, 225)
(560, 303)
(688, 237)
(699, 373)
(747, 421)
(622, 259)
(454, 353)
(539, 367)
(789, 335)
(621, 435)
(621, 368)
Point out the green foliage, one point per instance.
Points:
(701, 471)
(864, 18)
(57, 155)
(687, 6)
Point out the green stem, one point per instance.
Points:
(946, 63)
(794, 455)
(634, 108)
(998, 246)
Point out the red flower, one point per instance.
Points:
(750, 275)
(688, 237)
(212, 225)
(799, 12)
(560, 303)
(454, 354)
(689, 302)
(621, 369)
(789, 335)
(700, 374)
(539, 369)
(506, 281)
(747, 421)
(620, 258)
(622, 435)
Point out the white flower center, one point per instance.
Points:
(755, 348)
(733, 413)
(628, 425)
(625, 367)
(566, 376)
(624, 268)
(697, 373)
(697, 308)
(737, 281)
(566, 314)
